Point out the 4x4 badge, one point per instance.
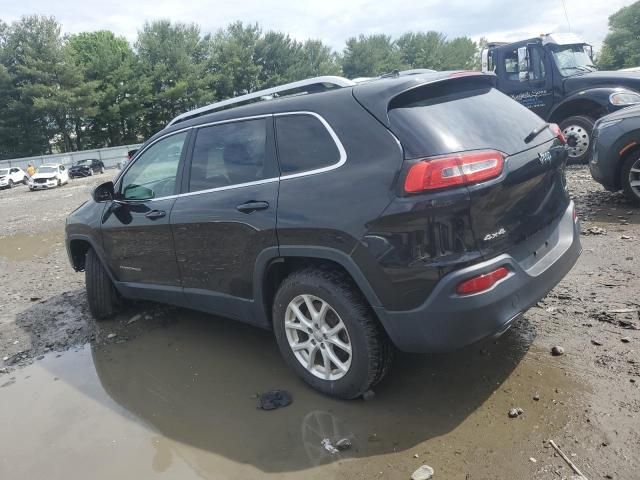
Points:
(544, 157)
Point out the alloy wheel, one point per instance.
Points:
(634, 178)
(318, 337)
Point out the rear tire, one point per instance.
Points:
(630, 178)
(104, 300)
(369, 355)
(578, 131)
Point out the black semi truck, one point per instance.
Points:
(554, 76)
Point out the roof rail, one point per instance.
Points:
(326, 82)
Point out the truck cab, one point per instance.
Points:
(554, 76)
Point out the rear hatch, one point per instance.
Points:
(467, 114)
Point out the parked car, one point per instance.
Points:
(616, 154)
(86, 168)
(11, 176)
(49, 176)
(426, 212)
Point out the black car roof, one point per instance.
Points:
(374, 95)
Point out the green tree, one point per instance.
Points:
(234, 61)
(621, 46)
(370, 56)
(459, 54)
(121, 90)
(423, 50)
(172, 58)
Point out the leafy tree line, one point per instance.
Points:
(94, 89)
(621, 48)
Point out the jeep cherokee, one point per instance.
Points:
(424, 212)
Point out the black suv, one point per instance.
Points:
(425, 212)
(86, 167)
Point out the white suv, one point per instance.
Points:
(49, 176)
(11, 176)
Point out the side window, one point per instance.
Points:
(538, 71)
(511, 65)
(304, 144)
(230, 154)
(153, 174)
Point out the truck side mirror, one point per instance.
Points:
(523, 64)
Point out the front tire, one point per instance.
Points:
(10, 183)
(578, 131)
(630, 178)
(104, 300)
(328, 334)
(25, 180)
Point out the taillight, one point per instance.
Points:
(482, 282)
(555, 129)
(453, 170)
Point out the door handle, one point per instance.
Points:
(251, 207)
(153, 214)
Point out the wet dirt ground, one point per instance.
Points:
(169, 393)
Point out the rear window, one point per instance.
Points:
(436, 120)
(304, 144)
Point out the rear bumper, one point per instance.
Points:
(447, 321)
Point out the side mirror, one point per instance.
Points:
(103, 192)
(523, 64)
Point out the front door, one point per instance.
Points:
(535, 89)
(135, 226)
(226, 215)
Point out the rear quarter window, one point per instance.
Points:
(436, 120)
(304, 144)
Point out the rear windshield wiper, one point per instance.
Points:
(535, 132)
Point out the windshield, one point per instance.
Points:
(572, 59)
(47, 170)
(83, 162)
(4, 171)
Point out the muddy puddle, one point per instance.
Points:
(177, 402)
(22, 246)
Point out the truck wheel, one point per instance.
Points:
(327, 333)
(630, 178)
(104, 300)
(578, 131)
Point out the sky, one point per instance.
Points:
(334, 21)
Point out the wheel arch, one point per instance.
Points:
(77, 248)
(591, 103)
(274, 264)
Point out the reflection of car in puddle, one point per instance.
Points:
(180, 381)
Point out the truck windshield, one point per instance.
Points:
(572, 59)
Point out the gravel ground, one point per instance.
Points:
(593, 314)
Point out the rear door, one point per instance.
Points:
(136, 234)
(226, 215)
(463, 116)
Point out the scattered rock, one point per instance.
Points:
(425, 472)
(39, 357)
(274, 399)
(133, 319)
(625, 237)
(532, 460)
(594, 231)
(596, 342)
(328, 446)
(557, 351)
(343, 444)
(513, 413)
(536, 397)
(34, 299)
(112, 335)
(625, 339)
